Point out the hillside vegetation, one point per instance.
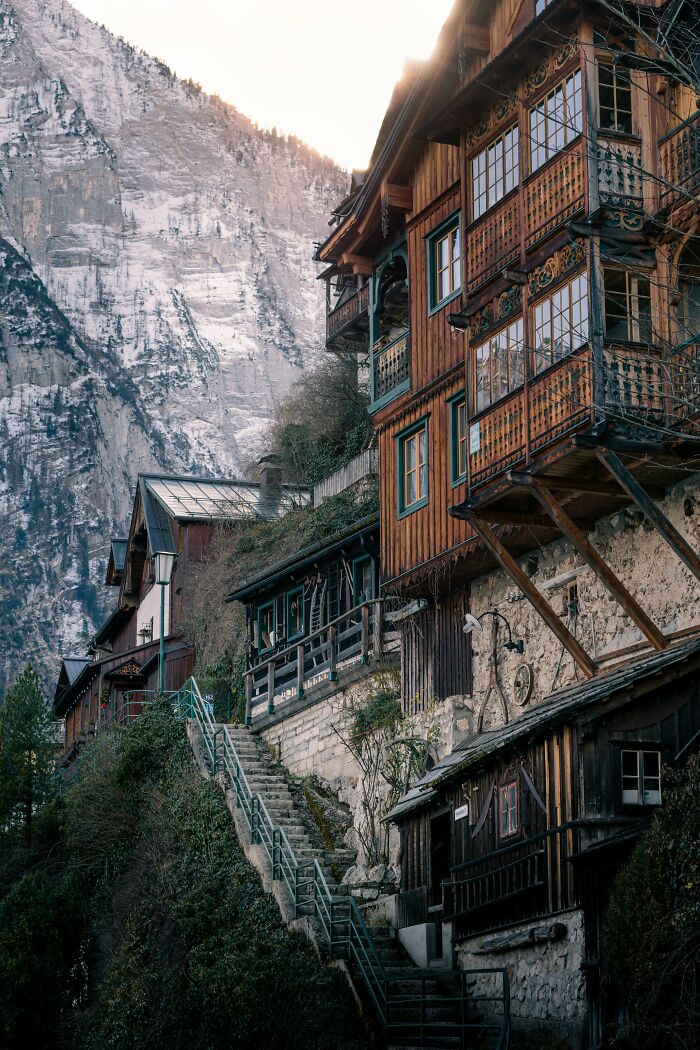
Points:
(132, 920)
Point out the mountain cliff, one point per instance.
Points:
(156, 297)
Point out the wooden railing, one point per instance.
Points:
(620, 177)
(390, 365)
(635, 384)
(683, 381)
(519, 881)
(555, 193)
(679, 160)
(366, 465)
(284, 676)
(493, 241)
(342, 316)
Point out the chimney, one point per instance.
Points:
(270, 473)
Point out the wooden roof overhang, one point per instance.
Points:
(482, 91)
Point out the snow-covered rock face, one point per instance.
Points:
(163, 241)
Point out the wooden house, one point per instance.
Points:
(178, 514)
(311, 618)
(521, 262)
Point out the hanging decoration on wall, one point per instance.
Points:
(494, 684)
(523, 683)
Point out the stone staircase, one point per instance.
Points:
(423, 1010)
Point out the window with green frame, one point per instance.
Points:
(413, 467)
(445, 262)
(295, 613)
(458, 430)
(362, 580)
(267, 624)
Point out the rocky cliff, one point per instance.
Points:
(156, 296)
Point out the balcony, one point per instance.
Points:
(531, 877)
(679, 162)
(555, 193)
(493, 241)
(390, 369)
(347, 323)
(620, 175)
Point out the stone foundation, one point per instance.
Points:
(543, 959)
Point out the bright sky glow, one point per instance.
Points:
(320, 69)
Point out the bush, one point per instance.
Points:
(652, 927)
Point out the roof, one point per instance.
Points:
(116, 561)
(215, 499)
(112, 624)
(73, 669)
(301, 559)
(553, 709)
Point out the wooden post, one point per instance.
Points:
(364, 637)
(271, 687)
(248, 698)
(378, 630)
(332, 654)
(301, 656)
(539, 603)
(592, 558)
(678, 544)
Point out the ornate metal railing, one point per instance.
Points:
(679, 160)
(347, 312)
(390, 365)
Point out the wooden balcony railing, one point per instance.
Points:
(285, 675)
(683, 381)
(520, 881)
(555, 193)
(635, 384)
(620, 176)
(390, 365)
(493, 241)
(679, 160)
(343, 316)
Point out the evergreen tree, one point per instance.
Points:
(26, 754)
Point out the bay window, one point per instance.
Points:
(614, 98)
(494, 172)
(497, 366)
(627, 306)
(556, 121)
(560, 323)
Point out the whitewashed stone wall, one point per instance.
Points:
(547, 982)
(644, 563)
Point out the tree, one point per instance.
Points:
(652, 926)
(26, 754)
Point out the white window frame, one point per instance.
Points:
(641, 787)
(507, 347)
(618, 86)
(495, 171)
(560, 323)
(510, 792)
(556, 120)
(452, 269)
(632, 300)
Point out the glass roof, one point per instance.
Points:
(191, 498)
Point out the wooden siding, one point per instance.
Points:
(429, 532)
(437, 171)
(435, 653)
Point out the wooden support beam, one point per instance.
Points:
(359, 264)
(476, 38)
(592, 558)
(399, 197)
(538, 602)
(584, 488)
(678, 543)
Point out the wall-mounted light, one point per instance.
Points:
(473, 623)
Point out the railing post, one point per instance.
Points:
(271, 687)
(296, 891)
(275, 854)
(364, 644)
(332, 654)
(378, 627)
(254, 819)
(248, 698)
(301, 657)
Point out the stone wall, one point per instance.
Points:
(543, 960)
(645, 564)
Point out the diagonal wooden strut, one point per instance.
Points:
(678, 544)
(592, 558)
(538, 602)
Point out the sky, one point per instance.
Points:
(320, 69)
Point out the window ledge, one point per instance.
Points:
(444, 302)
(413, 508)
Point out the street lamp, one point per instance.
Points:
(163, 562)
(473, 623)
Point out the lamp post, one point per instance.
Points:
(163, 562)
(473, 623)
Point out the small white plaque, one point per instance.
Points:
(462, 811)
(474, 438)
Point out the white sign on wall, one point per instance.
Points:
(462, 812)
(474, 438)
